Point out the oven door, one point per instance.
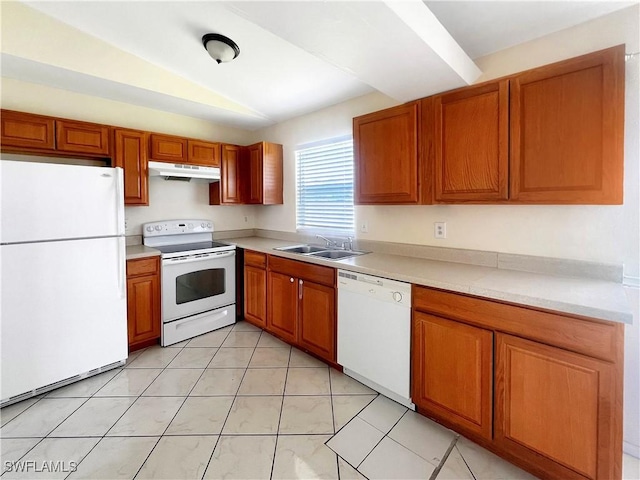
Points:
(192, 285)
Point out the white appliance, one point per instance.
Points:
(62, 256)
(178, 171)
(198, 278)
(374, 333)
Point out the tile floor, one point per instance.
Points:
(235, 404)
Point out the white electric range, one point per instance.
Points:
(198, 278)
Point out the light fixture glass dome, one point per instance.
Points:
(221, 48)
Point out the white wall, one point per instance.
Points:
(167, 199)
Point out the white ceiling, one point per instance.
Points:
(296, 57)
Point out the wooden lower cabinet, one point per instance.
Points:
(143, 302)
(317, 330)
(255, 288)
(453, 371)
(301, 306)
(557, 404)
(539, 388)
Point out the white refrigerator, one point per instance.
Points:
(63, 309)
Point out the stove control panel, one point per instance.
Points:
(176, 227)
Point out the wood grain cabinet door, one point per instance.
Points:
(386, 156)
(452, 372)
(282, 307)
(203, 153)
(471, 143)
(167, 148)
(554, 407)
(567, 124)
(130, 153)
(255, 295)
(27, 130)
(81, 137)
(317, 326)
(143, 300)
(254, 177)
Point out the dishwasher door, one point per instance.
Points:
(374, 333)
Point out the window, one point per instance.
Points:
(325, 186)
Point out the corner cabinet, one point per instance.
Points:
(143, 302)
(541, 389)
(301, 307)
(386, 160)
(255, 288)
(130, 153)
(264, 174)
(567, 129)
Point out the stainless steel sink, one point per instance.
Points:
(322, 252)
(337, 254)
(301, 249)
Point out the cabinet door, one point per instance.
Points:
(130, 153)
(203, 153)
(80, 137)
(557, 404)
(272, 174)
(255, 173)
(317, 326)
(386, 156)
(452, 372)
(166, 148)
(282, 307)
(471, 143)
(229, 189)
(27, 130)
(567, 123)
(255, 295)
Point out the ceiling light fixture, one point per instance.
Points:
(221, 48)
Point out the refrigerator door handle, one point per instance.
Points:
(121, 267)
(120, 200)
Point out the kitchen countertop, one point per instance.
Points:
(581, 296)
(140, 251)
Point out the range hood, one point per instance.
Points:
(186, 173)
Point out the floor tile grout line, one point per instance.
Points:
(204, 473)
(444, 458)
(284, 390)
(465, 460)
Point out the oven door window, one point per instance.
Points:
(194, 286)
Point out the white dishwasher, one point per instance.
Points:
(374, 333)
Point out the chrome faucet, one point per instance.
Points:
(348, 244)
(330, 243)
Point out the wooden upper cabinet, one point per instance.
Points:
(203, 153)
(228, 191)
(130, 153)
(567, 124)
(83, 138)
(264, 174)
(452, 372)
(556, 405)
(26, 130)
(167, 148)
(471, 143)
(386, 156)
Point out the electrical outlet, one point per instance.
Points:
(245, 219)
(440, 230)
(364, 226)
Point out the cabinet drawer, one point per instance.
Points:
(256, 259)
(143, 266)
(305, 271)
(598, 339)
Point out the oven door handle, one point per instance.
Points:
(199, 258)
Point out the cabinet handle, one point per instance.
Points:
(300, 289)
(291, 279)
